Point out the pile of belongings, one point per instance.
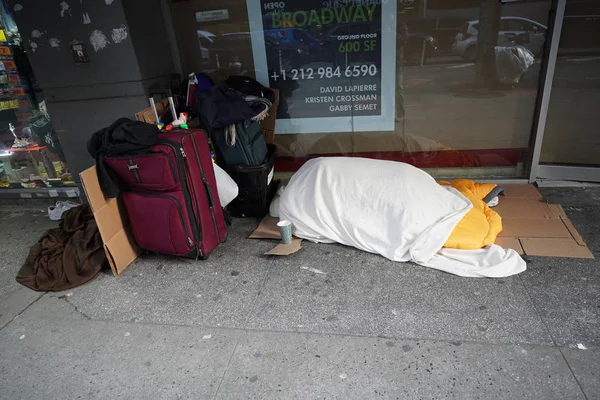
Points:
(238, 99)
(234, 108)
(404, 215)
(231, 114)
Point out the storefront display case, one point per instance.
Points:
(30, 152)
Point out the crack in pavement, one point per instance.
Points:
(22, 311)
(66, 299)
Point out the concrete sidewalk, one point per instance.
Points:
(243, 326)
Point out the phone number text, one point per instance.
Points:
(354, 71)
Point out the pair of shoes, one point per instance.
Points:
(55, 212)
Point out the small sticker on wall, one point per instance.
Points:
(213, 15)
(65, 9)
(86, 18)
(98, 40)
(54, 42)
(119, 34)
(33, 45)
(79, 51)
(36, 34)
(18, 7)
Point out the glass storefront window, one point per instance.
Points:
(571, 128)
(30, 152)
(449, 86)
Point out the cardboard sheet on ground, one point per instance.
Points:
(533, 227)
(267, 229)
(121, 250)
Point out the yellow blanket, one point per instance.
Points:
(481, 225)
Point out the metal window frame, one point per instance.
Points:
(546, 171)
(546, 92)
(172, 37)
(568, 173)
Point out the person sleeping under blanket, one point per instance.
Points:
(400, 212)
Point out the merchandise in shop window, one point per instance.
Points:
(30, 153)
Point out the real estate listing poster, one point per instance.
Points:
(334, 62)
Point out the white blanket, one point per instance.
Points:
(388, 208)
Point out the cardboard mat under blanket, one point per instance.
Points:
(533, 227)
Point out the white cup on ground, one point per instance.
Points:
(285, 229)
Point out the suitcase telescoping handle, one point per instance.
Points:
(169, 95)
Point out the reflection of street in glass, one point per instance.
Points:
(512, 31)
(573, 112)
(448, 118)
(444, 104)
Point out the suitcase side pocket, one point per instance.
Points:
(159, 222)
(155, 171)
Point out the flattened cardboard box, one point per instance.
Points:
(532, 226)
(267, 229)
(121, 250)
(510, 243)
(522, 192)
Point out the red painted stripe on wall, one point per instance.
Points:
(425, 159)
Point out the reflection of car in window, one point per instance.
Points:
(205, 40)
(237, 47)
(291, 56)
(295, 37)
(512, 32)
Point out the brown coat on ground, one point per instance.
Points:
(67, 256)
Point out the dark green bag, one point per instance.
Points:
(243, 146)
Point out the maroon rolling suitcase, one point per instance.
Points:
(171, 195)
